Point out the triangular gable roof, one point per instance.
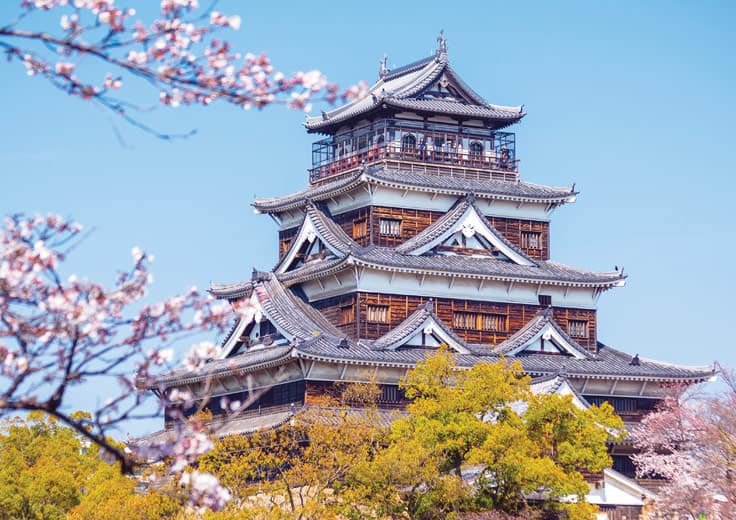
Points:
(619, 490)
(541, 331)
(465, 217)
(421, 321)
(407, 84)
(558, 384)
(290, 316)
(316, 226)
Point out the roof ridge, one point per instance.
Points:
(409, 67)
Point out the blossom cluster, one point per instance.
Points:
(178, 53)
(58, 333)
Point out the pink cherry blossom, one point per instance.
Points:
(59, 334)
(180, 55)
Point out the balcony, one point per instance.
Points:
(436, 149)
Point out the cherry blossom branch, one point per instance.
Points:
(63, 335)
(177, 54)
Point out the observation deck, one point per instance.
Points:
(441, 149)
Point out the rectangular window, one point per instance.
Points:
(531, 240)
(360, 228)
(492, 322)
(577, 328)
(463, 320)
(390, 227)
(479, 321)
(378, 314)
(545, 299)
(347, 314)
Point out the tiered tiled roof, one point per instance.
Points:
(405, 88)
(313, 338)
(422, 182)
(404, 258)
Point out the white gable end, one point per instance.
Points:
(548, 340)
(250, 322)
(474, 231)
(308, 235)
(431, 335)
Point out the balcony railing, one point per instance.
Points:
(455, 163)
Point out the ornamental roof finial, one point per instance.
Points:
(442, 41)
(384, 67)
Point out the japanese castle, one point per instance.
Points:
(415, 231)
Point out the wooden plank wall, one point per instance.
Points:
(413, 221)
(332, 310)
(402, 306)
(511, 228)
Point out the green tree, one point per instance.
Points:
(486, 419)
(305, 468)
(48, 471)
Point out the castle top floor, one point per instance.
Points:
(421, 118)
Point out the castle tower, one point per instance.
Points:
(415, 230)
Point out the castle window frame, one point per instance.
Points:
(531, 239)
(476, 149)
(578, 328)
(389, 227)
(408, 143)
(378, 314)
(545, 300)
(480, 321)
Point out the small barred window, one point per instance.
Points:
(390, 227)
(492, 322)
(485, 322)
(531, 240)
(577, 328)
(464, 320)
(378, 314)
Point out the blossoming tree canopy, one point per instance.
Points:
(179, 54)
(62, 334)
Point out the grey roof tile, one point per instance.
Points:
(551, 272)
(455, 108)
(404, 86)
(317, 338)
(424, 182)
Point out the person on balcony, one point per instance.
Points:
(505, 158)
(423, 148)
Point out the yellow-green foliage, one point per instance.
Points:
(470, 419)
(345, 466)
(48, 472)
(338, 463)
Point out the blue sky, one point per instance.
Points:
(634, 102)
